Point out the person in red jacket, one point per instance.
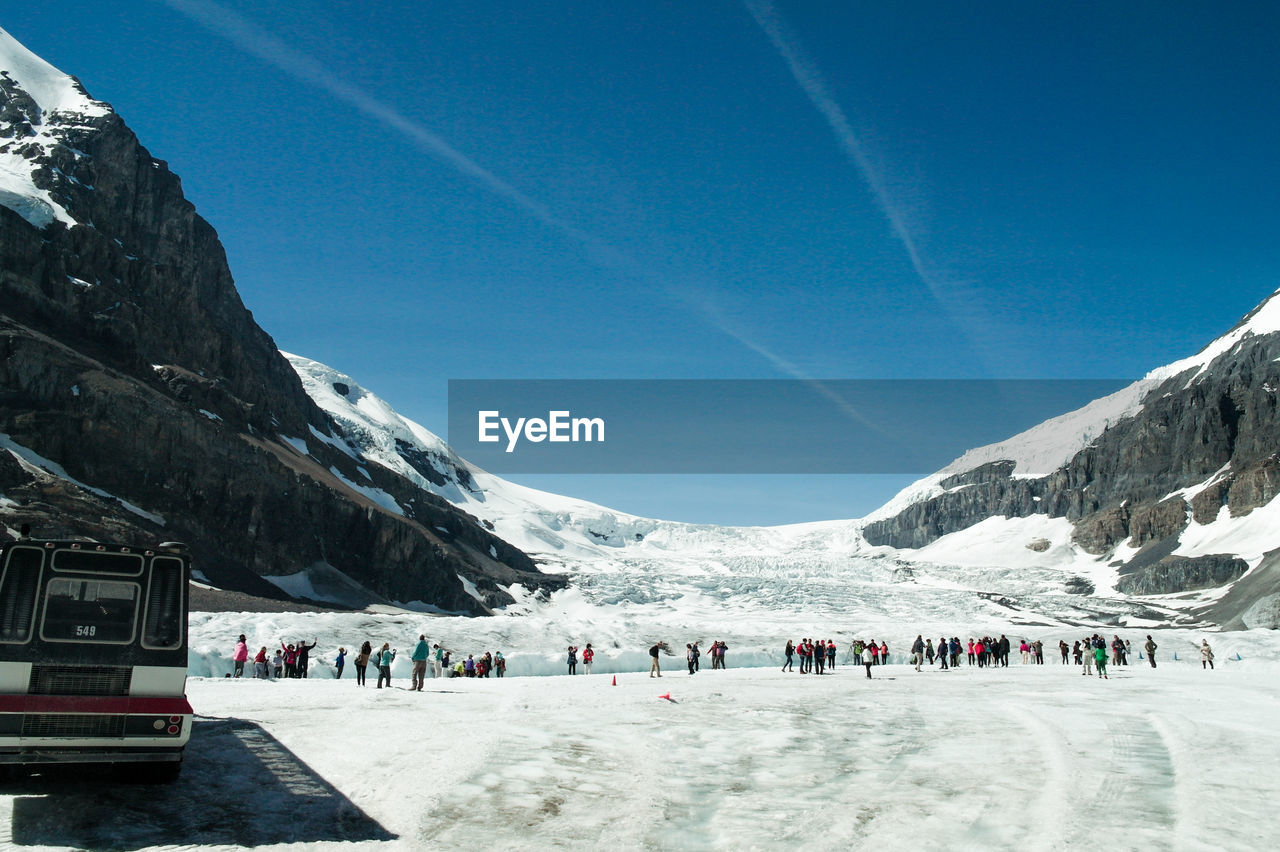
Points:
(587, 656)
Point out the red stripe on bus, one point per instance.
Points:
(95, 704)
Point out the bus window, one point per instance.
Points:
(97, 562)
(18, 591)
(162, 625)
(89, 611)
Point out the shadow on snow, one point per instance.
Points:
(239, 786)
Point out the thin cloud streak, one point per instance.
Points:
(255, 41)
(270, 49)
(814, 85)
(714, 316)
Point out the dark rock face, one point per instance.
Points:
(129, 360)
(1180, 574)
(1226, 421)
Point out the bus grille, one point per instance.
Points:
(79, 680)
(72, 725)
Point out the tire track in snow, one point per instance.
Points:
(1047, 823)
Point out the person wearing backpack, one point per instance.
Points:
(385, 657)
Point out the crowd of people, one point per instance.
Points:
(817, 656)
(293, 661)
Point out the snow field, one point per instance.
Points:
(1034, 757)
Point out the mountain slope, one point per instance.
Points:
(141, 400)
(1170, 480)
(1167, 486)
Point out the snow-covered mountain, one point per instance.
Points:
(1015, 522)
(142, 401)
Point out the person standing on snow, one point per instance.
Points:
(421, 652)
(573, 659)
(340, 662)
(1206, 654)
(385, 658)
(587, 656)
(790, 650)
(239, 655)
(868, 659)
(362, 661)
(304, 650)
(653, 664)
(1100, 657)
(437, 661)
(1151, 650)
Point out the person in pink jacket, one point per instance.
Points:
(241, 654)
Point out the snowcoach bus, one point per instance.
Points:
(93, 656)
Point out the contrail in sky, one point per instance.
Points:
(254, 40)
(810, 79)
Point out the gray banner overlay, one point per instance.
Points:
(746, 425)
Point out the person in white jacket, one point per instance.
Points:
(868, 659)
(1206, 654)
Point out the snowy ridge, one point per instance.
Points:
(59, 104)
(540, 523)
(624, 566)
(1044, 448)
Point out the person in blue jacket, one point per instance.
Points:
(385, 657)
(421, 652)
(341, 660)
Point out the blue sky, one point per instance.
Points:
(412, 192)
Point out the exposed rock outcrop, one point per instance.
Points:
(1182, 573)
(130, 361)
(1218, 429)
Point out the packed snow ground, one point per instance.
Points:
(1022, 758)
